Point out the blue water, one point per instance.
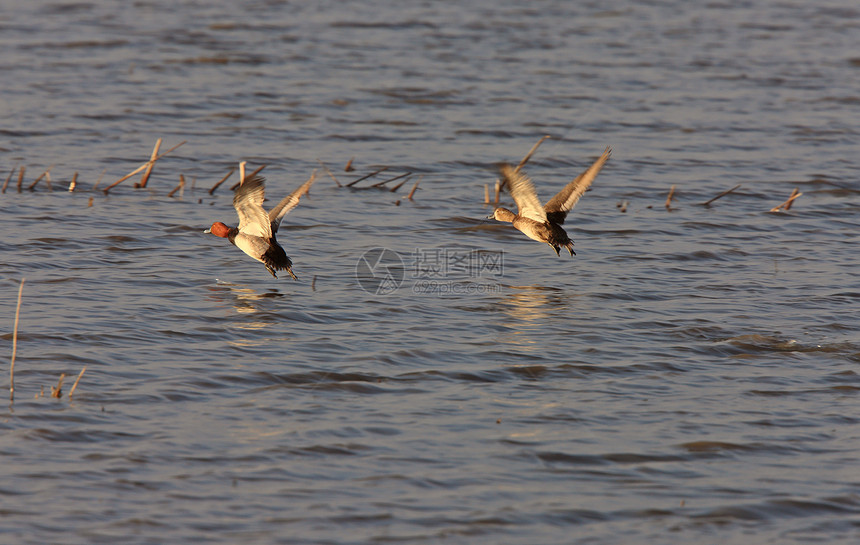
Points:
(690, 376)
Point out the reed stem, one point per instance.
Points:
(329, 172)
(374, 173)
(530, 153)
(669, 198)
(723, 194)
(15, 343)
(77, 380)
(152, 158)
(414, 187)
(141, 167)
(222, 180)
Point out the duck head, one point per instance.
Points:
(502, 214)
(218, 229)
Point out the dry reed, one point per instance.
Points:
(58, 391)
(374, 173)
(530, 153)
(348, 167)
(414, 187)
(9, 177)
(141, 167)
(383, 182)
(20, 178)
(15, 343)
(180, 186)
(794, 194)
(247, 176)
(148, 171)
(102, 175)
(222, 180)
(787, 204)
(77, 380)
(723, 194)
(398, 186)
(669, 198)
(39, 179)
(73, 183)
(329, 172)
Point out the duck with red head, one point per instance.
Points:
(255, 234)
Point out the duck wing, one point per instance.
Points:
(248, 201)
(523, 193)
(289, 202)
(558, 206)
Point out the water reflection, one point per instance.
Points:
(244, 300)
(529, 313)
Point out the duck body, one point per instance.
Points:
(543, 223)
(541, 231)
(255, 234)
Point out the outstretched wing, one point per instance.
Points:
(289, 202)
(558, 206)
(248, 202)
(523, 193)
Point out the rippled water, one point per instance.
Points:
(691, 376)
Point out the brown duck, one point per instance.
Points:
(543, 223)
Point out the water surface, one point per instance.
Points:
(689, 376)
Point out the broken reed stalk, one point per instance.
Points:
(374, 173)
(377, 184)
(152, 158)
(39, 179)
(787, 204)
(414, 187)
(486, 194)
(398, 186)
(669, 198)
(247, 177)
(348, 167)
(21, 178)
(723, 194)
(530, 153)
(9, 177)
(15, 344)
(790, 201)
(178, 187)
(222, 180)
(102, 175)
(141, 167)
(73, 183)
(58, 391)
(77, 380)
(314, 283)
(329, 172)
(498, 190)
